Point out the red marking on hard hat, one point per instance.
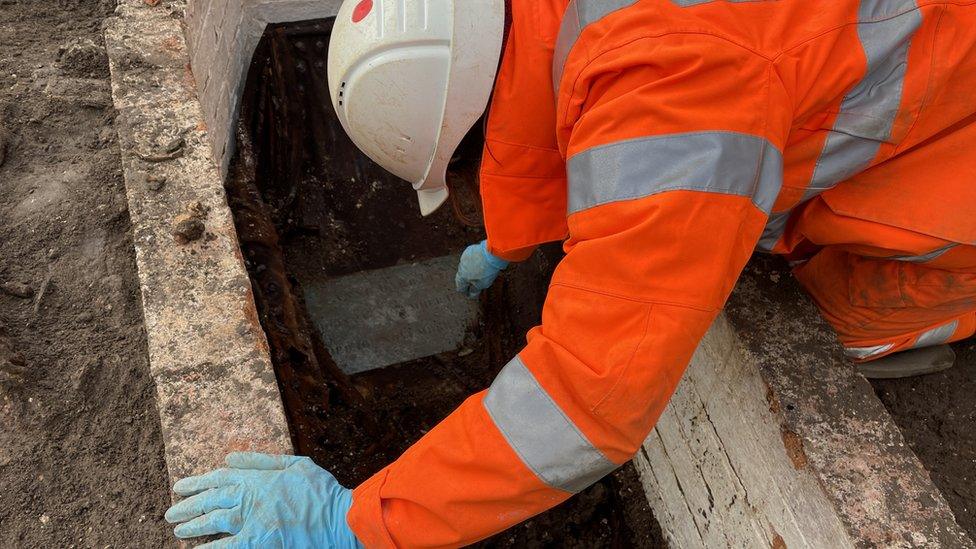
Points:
(362, 10)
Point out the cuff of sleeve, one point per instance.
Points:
(513, 256)
(365, 517)
(492, 259)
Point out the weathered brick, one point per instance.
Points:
(222, 36)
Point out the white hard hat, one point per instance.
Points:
(409, 78)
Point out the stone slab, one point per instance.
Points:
(216, 388)
(774, 440)
(387, 316)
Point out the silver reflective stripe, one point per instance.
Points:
(716, 162)
(867, 113)
(924, 258)
(936, 336)
(775, 228)
(579, 14)
(689, 3)
(867, 352)
(540, 433)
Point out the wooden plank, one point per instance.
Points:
(772, 440)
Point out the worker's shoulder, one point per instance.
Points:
(766, 27)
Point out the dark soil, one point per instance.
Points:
(81, 456)
(308, 205)
(937, 415)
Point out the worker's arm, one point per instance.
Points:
(523, 175)
(674, 162)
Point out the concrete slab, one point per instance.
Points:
(215, 384)
(377, 318)
(774, 440)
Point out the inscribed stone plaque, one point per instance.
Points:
(377, 318)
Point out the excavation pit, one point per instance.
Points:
(329, 237)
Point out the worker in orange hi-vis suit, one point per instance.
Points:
(664, 141)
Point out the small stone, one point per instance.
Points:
(156, 182)
(86, 317)
(17, 289)
(45, 519)
(174, 145)
(197, 209)
(187, 228)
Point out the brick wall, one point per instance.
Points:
(221, 36)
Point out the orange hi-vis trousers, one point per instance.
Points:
(879, 297)
(665, 141)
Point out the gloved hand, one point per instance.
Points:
(265, 501)
(478, 269)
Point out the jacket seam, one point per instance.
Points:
(622, 296)
(508, 175)
(561, 117)
(677, 135)
(630, 360)
(522, 145)
(838, 27)
(928, 84)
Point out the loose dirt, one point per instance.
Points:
(308, 205)
(80, 448)
(937, 413)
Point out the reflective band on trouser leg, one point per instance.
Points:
(540, 433)
(861, 353)
(579, 14)
(868, 111)
(715, 162)
(936, 336)
(928, 338)
(925, 258)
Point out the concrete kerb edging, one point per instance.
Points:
(773, 440)
(216, 387)
(222, 36)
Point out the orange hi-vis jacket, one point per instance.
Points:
(665, 140)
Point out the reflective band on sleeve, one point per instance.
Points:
(867, 113)
(924, 258)
(861, 353)
(578, 15)
(775, 228)
(936, 336)
(714, 162)
(540, 433)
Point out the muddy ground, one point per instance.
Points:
(333, 213)
(937, 414)
(80, 448)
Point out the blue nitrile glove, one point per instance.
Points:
(265, 501)
(478, 269)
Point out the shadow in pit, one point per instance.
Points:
(308, 205)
